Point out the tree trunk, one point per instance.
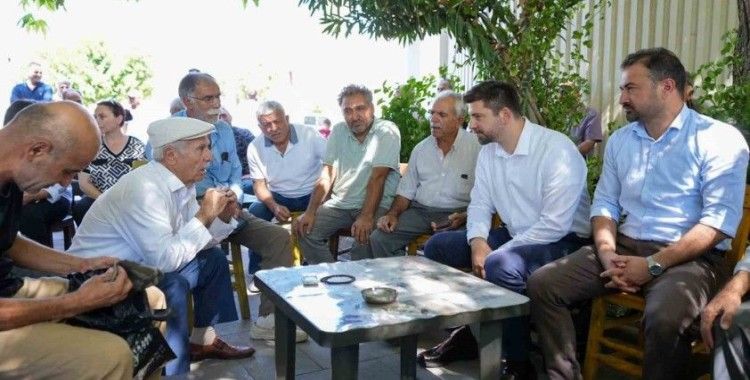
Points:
(741, 71)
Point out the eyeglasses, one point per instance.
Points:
(441, 114)
(207, 98)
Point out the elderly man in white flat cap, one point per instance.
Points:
(151, 216)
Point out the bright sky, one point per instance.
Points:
(218, 37)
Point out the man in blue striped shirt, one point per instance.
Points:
(669, 198)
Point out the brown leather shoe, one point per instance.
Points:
(219, 350)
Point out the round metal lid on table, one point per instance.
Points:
(337, 279)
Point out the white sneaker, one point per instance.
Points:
(263, 328)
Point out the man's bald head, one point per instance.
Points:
(53, 141)
(67, 124)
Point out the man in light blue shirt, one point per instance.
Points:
(669, 197)
(202, 98)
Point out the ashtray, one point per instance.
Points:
(379, 296)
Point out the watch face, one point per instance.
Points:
(655, 270)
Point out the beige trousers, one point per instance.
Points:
(51, 350)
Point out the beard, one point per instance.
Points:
(631, 115)
(483, 140)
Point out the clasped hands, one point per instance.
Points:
(220, 202)
(626, 273)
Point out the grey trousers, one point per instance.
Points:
(272, 242)
(674, 301)
(413, 222)
(732, 352)
(328, 220)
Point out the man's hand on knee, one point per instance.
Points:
(303, 224)
(388, 222)
(362, 228)
(726, 304)
(480, 249)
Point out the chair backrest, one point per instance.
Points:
(739, 243)
(138, 163)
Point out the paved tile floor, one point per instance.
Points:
(378, 360)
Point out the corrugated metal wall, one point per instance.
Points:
(690, 28)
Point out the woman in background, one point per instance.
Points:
(115, 157)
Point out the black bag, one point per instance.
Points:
(131, 318)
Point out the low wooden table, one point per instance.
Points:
(430, 296)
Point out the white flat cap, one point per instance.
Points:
(171, 129)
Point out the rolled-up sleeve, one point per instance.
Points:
(723, 177)
(55, 192)
(744, 263)
(606, 197)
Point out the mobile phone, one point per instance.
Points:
(443, 224)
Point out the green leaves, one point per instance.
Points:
(407, 104)
(99, 74)
(502, 40)
(717, 98)
(32, 23)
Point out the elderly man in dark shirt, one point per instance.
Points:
(42, 145)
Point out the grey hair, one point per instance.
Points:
(460, 106)
(269, 106)
(190, 82)
(176, 106)
(355, 89)
(158, 153)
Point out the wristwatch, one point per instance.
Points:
(654, 268)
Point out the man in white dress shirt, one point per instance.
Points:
(151, 216)
(535, 179)
(434, 193)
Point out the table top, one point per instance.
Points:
(430, 295)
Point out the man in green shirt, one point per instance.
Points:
(360, 169)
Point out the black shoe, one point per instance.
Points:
(460, 345)
(518, 370)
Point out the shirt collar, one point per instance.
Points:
(456, 142)
(524, 141)
(679, 121)
(174, 184)
(292, 137)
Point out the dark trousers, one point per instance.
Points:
(207, 279)
(37, 219)
(674, 301)
(509, 268)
